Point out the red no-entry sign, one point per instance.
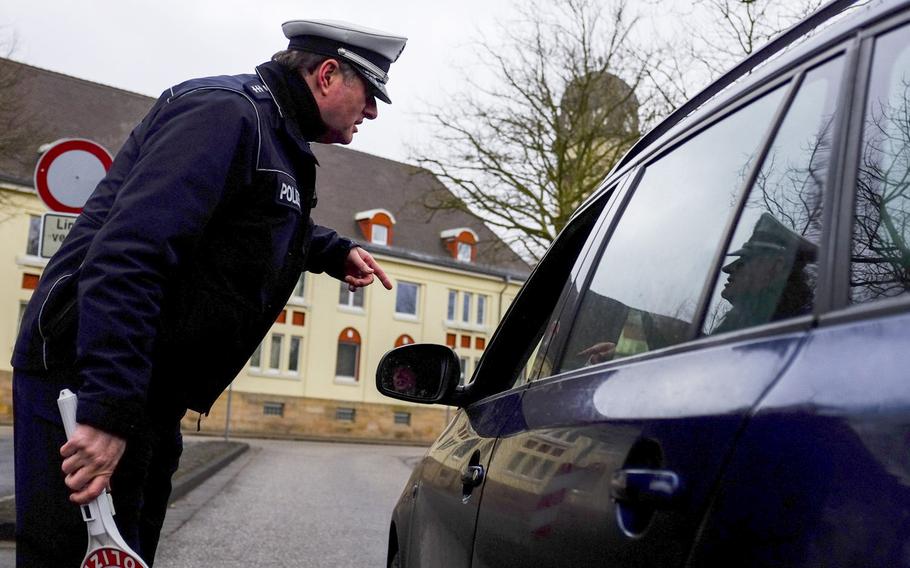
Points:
(68, 172)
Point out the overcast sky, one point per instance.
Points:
(145, 46)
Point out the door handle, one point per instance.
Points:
(656, 488)
(472, 476)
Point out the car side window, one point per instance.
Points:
(880, 263)
(517, 351)
(770, 268)
(645, 291)
(540, 362)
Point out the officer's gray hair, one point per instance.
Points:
(307, 62)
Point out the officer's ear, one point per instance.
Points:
(327, 75)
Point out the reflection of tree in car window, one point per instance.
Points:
(881, 255)
(769, 273)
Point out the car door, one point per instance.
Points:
(821, 475)
(447, 490)
(653, 378)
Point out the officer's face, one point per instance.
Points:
(347, 103)
(750, 275)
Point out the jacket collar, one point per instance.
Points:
(294, 100)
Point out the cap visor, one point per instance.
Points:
(378, 88)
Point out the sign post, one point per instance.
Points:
(65, 177)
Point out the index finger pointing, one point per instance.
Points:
(380, 273)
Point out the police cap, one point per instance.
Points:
(370, 51)
(770, 236)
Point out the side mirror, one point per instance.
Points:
(420, 372)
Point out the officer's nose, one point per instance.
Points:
(370, 111)
(730, 268)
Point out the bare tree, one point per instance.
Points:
(881, 252)
(524, 151)
(711, 36)
(573, 85)
(18, 128)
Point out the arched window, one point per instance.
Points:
(404, 340)
(347, 360)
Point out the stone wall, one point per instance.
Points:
(6, 397)
(303, 418)
(254, 414)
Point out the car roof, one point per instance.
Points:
(749, 73)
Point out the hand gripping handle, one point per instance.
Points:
(104, 539)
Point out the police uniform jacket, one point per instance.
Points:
(186, 252)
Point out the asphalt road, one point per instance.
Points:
(290, 504)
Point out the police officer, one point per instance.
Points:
(767, 281)
(181, 260)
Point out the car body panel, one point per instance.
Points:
(438, 523)
(822, 471)
(557, 511)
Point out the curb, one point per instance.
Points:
(193, 478)
(184, 480)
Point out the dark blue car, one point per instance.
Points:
(711, 365)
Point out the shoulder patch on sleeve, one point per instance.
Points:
(257, 90)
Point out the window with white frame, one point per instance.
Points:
(294, 355)
(464, 252)
(481, 309)
(22, 306)
(256, 359)
(467, 299)
(349, 299)
(34, 230)
(463, 309)
(275, 352)
(300, 289)
(276, 356)
(379, 234)
(347, 358)
(406, 298)
(346, 362)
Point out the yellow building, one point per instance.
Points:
(313, 374)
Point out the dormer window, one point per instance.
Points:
(465, 251)
(380, 235)
(461, 243)
(376, 226)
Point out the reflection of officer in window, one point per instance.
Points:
(768, 281)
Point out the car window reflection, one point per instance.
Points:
(881, 254)
(645, 291)
(770, 269)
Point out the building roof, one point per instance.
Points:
(60, 106)
(55, 106)
(349, 181)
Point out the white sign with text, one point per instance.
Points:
(54, 228)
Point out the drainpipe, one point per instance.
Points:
(507, 280)
(227, 419)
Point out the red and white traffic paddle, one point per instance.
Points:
(106, 548)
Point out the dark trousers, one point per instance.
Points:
(49, 528)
